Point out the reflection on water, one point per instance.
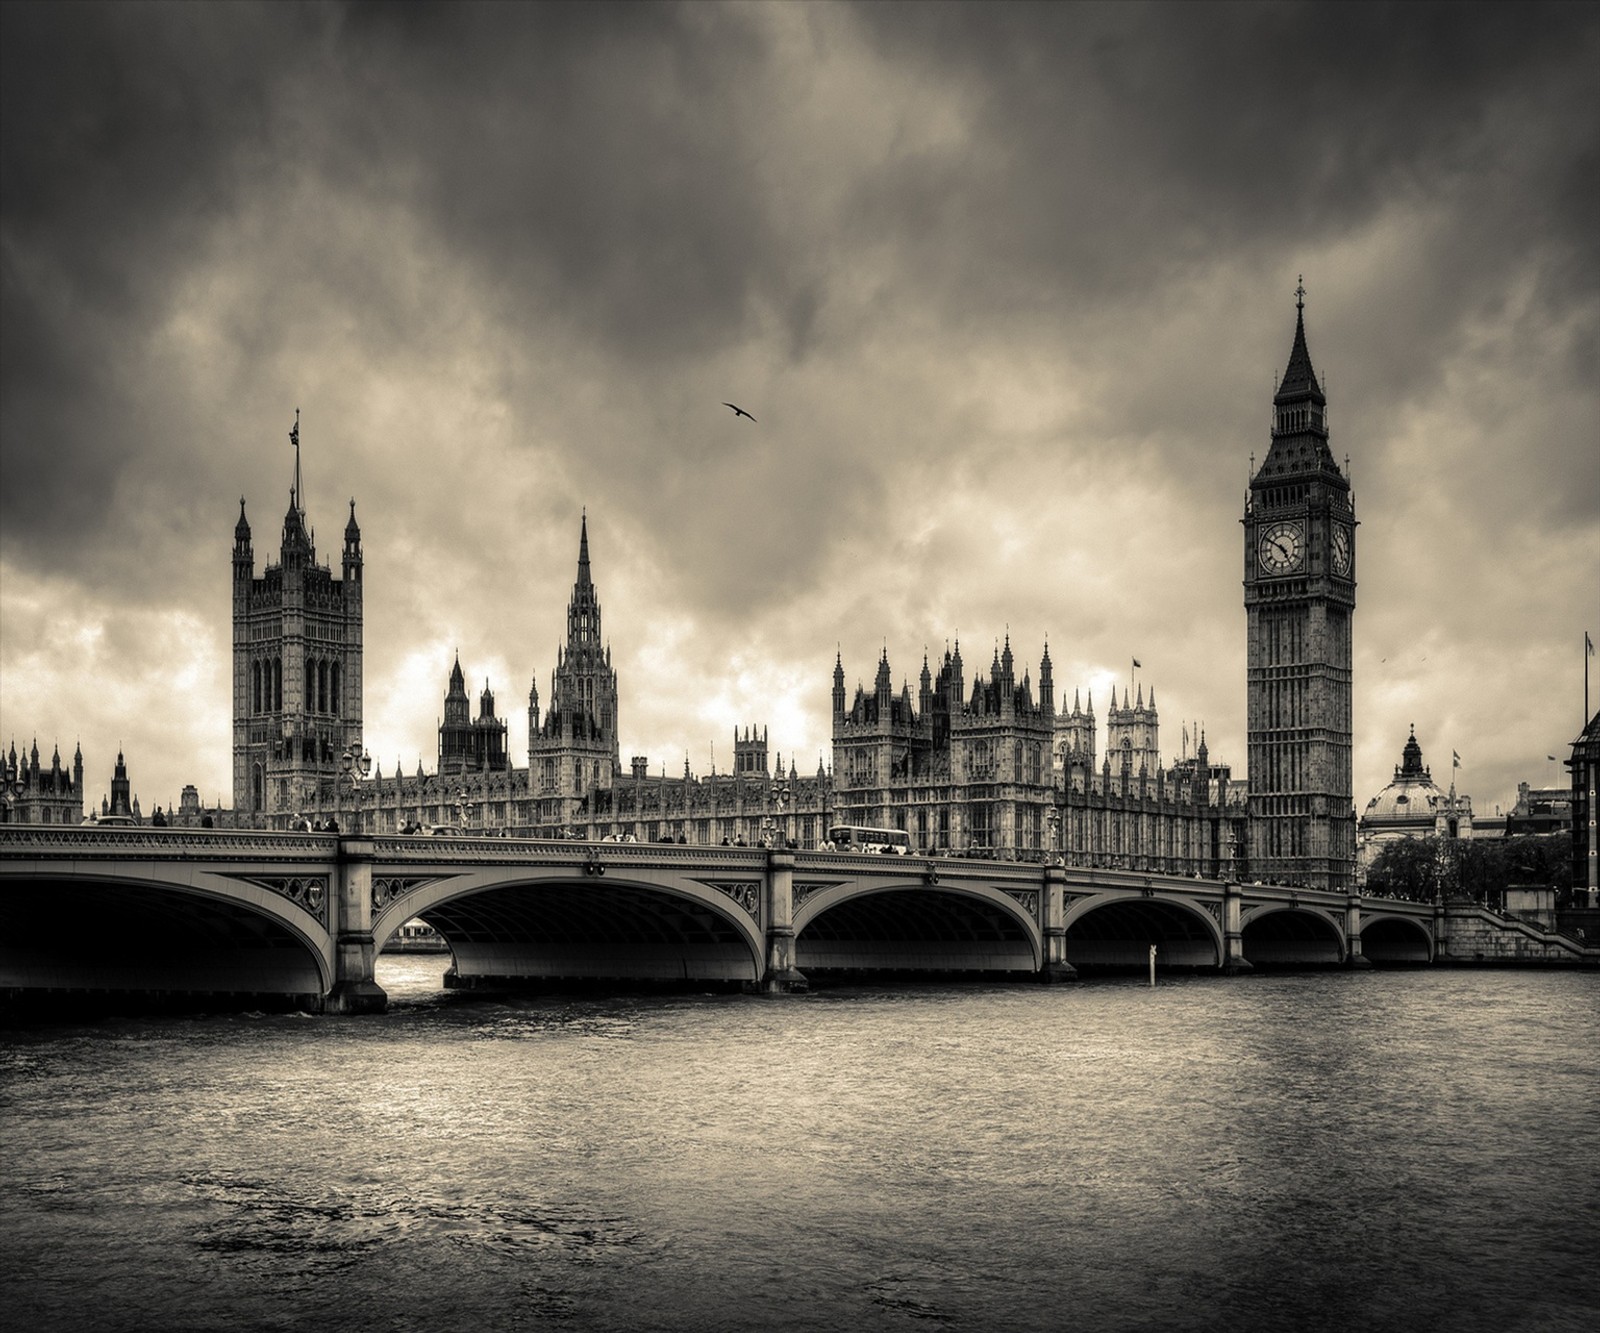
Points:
(1325, 1152)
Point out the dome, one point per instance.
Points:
(1411, 798)
(1404, 800)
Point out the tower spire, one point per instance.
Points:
(298, 498)
(1299, 380)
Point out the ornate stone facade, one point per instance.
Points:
(968, 773)
(573, 749)
(35, 794)
(297, 666)
(974, 769)
(468, 744)
(1300, 596)
(994, 773)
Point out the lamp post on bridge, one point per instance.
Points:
(771, 830)
(464, 808)
(356, 769)
(11, 787)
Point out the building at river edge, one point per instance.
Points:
(985, 765)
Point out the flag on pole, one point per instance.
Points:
(1588, 643)
(1457, 758)
(1138, 663)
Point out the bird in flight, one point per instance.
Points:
(738, 411)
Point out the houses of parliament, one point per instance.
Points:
(989, 764)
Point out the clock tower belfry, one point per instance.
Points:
(1299, 598)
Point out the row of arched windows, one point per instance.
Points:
(266, 686)
(322, 694)
(322, 686)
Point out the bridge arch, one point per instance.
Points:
(1392, 938)
(1114, 931)
(113, 936)
(516, 926)
(890, 924)
(1292, 935)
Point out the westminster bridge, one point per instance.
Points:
(297, 919)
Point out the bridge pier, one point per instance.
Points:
(1055, 967)
(1353, 957)
(355, 989)
(1234, 963)
(780, 976)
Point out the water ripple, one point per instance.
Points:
(1328, 1152)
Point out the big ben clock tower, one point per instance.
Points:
(1299, 598)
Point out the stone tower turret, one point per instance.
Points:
(297, 665)
(574, 750)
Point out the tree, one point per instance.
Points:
(1405, 868)
(1543, 858)
(1476, 869)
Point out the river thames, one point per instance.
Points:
(1383, 1150)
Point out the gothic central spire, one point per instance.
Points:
(583, 612)
(583, 553)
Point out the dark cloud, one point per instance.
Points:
(1250, 121)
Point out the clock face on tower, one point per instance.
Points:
(1341, 551)
(1281, 548)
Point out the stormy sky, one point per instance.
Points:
(1007, 290)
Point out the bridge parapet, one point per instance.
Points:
(166, 844)
(544, 851)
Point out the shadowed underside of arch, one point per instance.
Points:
(1395, 939)
(921, 931)
(137, 946)
(1117, 936)
(548, 935)
(1290, 938)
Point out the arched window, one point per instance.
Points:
(309, 701)
(322, 687)
(277, 687)
(257, 788)
(333, 689)
(255, 687)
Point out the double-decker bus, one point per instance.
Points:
(885, 841)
